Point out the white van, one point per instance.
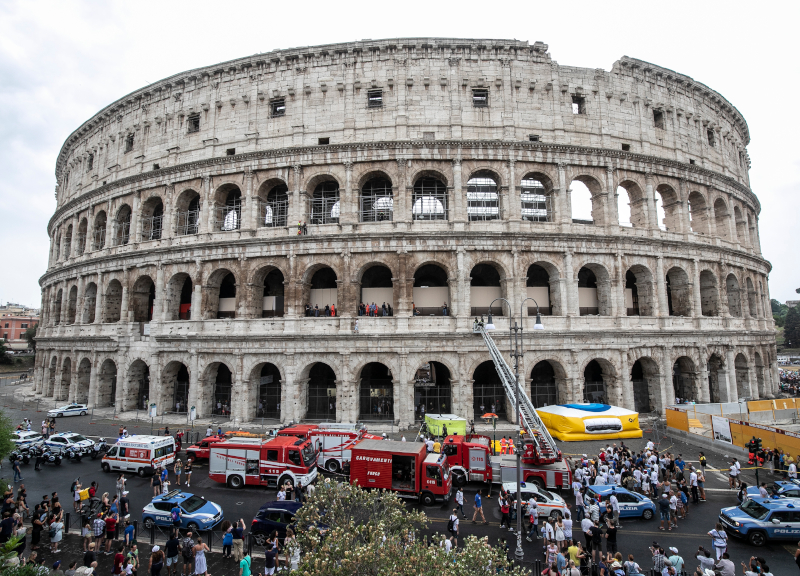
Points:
(140, 454)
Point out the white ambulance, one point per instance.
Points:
(140, 454)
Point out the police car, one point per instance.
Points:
(631, 504)
(760, 520)
(68, 410)
(63, 440)
(197, 513)
(25, 439)
(549, 504)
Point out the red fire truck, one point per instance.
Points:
(471, 460)
(258, 462)
(202, 449)
(334, 442)
(298, 430)
(402, 467)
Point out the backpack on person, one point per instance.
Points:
(187, 546)
(52, 532)
(450, 524)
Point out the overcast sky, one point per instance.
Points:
(61, 62)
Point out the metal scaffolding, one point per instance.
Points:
(123, 232)
(273, 212)
(482, 199)
(429, 200)
(188, 222)
(324, 206)
(376, 203)
(99, 241)
(536, 204)
(229, 216)
(151, 228)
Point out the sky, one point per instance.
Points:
(61, 62)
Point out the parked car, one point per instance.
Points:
(273, 516)
(631, 504)
(549, 504)
(68, 410)
(761, 520)
(778, 489)
(58, 443)
(197, 513)
(25, 439)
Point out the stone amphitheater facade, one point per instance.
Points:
(433, 175)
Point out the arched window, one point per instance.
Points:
(376, 393)
(99, 231)
(274, 210)
(82, 229)
(68, 242)
(229, 213)
(431, 390)
(227, 297)
(624, 207)
(429, 200)
(376, 202)
(431, 292)
(323, 293)
(484, 289)
(123, 222)
(482, 199)
(582, 206)
(488, 394)
(536, 204)
(152, 219)
(321, 393)
(324, 205)
(188, 213)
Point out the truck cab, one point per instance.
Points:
(469, 457)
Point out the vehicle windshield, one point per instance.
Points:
(77, 438)
(754, 509)
(445, 467)
(309, 456)
(193, 504)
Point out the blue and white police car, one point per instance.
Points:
(779, 489)
(63, 440)
(759, 520)
(631, 504)
(26, 438)
(68, 410)
(196, 513)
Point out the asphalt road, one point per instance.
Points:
(635, 536)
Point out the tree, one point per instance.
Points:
(791, 331)
(30, 336)
(370, 533)
(6, 430)
(4, 358)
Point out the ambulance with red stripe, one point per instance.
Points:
(140, 454)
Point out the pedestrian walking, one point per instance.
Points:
(478, 509)
(187, 551)
(452, 525)
(178, 471)
(200, 550)
(719, 540)
(187, 469)
(460, 501)
(238, 540)
(120, 485)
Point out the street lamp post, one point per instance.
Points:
(517, 350)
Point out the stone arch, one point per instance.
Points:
(743, 383)
(639, 292)
(698, 213)
(482, 199)
(142, 299)
(179, 297)
(152, 218)
(486, 281)
(431, 286)
(376, 199)
(83, 229)
(721, 218)
(432, 389)
(215, 393)
(122, 225)
(265, 393)
(376, 286)
(320, 391)
(684, 380)
(600, 382)
(62, 390)
(112, 311)
(324, 199)
(136, 393)
(187, 212)
(99, 231)
(57, 303)
(82, 382)
(106, 384)
(584, 185)
(68, 242)
(543, 285)
(717, 379)
(709, 293)
(594, 290)
(429, 198)
(50, 384)
(668, 209)
(227, 208)
(646, 379)
(547, 384)
(764, 390)
(679, 292)
(752, 300)
(376, 392)
(72, 305)
(268, 292)
(175, 383)
(221, 294)
(321, 289)
(536, 196)
(89, 303)
(635, 211)
(488, 394)
(273, 203)
(734, 296)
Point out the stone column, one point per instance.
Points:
(513, 208)
(73, 247)
(661, 287)
(297, 207)
(93, 383)
(123, 315)
(697, 299)
(460, 302)
(195, 394)
(348, 209)
(563, 199)
(207, 208)
(683, 211)
(169, 221)
(612, 209)
(625, 383)
(136, 219)
(667, 387)
(702, 391)
(99, 300)
(81, 283)
(402, 193)
(160, 304)
(64, 303)
(459, 199)
(730, 372)
(250, 218)
(752, 380)
(651, 201)
(569, 292)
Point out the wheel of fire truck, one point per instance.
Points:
(427, 499)
(333, 465)
(537, 481)
(235, 481)
(459, 478)
(284, 479)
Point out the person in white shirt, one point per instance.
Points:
(460, 501)
(763, 490)
(281, 494)
(600, 480)
(403, 439)
(673, 510)
(614, 506)
(693, 485)
(650, 445)
(447, 544)
(792, 470)
(733, 473)
(454, 530)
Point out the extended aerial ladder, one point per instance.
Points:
(540, 448)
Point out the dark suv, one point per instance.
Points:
(273, 516)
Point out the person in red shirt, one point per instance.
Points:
(119, 559)
(92, 489)
(111, 527)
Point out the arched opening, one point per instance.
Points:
(376, 393)
(122, 226)
(734, 297)
(222, 378)
(268, 394)
(679, 292)
(484, 288)
(377, 292)
(594, 294)
(62, 391)
(143, 296)
(715, 367)
(667, 208)
(107, 384)
(721, 219)
(752, 301)
(709, 294)
(99, 231)
(644, 372)
(321, 393)
(624, 207)
(83, 228)
(598, 380)
(431, 390)
(179, 297)
(152, 219)
(376, 203)
(536, 198)
(68, 242)
(431, 292)
(742, 377)
(324, 204)
(698, 213)
(544, 386)
(113, 302)
(583, 210)
(51, 377)
(187, 213)
(488, 394)
(482, 199)
(57, 307)
(83, 380)
(58, 246)
(175, 388)
(429, 199)
(741, 226)
(683, 380)
(273, 202)
(228, 208)
(226, 306)
(538, 287)
(763, 391)
(137, 393)
(272, 295)
(323, 293)
(72, 305)
(89, 303)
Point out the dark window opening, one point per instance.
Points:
(231, 151)
(323, 141)
(375, 99)
(480, 98)
(712, 140)
(533, 137)
(277, 107)
(626, 147)
(691, 162)
(658, 119)
(129, 143)
(193, 123)
(578, 105)
(156, 167)
(90, 162)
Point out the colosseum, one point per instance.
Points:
(308, 234)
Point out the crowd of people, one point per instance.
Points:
(375, 310)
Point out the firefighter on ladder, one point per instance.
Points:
(503, 445)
